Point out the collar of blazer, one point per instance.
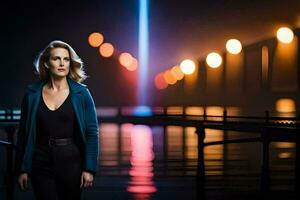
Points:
(73, 85)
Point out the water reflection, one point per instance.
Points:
(215, 111)
(213, 155)
(175, 145)
(190, 151)
(141, 172)
(174, 110)
(285, 105)
(194, 110)
(284, 150)
(109, 145)
(191, 143)
(128, 149)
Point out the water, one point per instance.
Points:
(228, 167)
(141, 162)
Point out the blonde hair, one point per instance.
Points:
(76, 73)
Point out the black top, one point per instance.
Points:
(60, 123)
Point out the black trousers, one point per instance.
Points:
(56, 172)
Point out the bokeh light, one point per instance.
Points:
(285, 35)
(160, 82)
(95, 39)
(214, 60)
(178, 74)
(125, 59)
(106, 50)
(234, 46)
(169, 78)
(187, 66)
(134, 65)
(285, 105)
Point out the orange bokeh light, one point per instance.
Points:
(125, 59)
(177, 73)
(106, 50)
(95, 39)
(169, 77)
(160, 82)
(133, 66)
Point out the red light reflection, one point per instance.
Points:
(141, 172)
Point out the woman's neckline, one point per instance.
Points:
(58, 107)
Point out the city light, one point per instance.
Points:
(285, 35)
(187, 66)
(169, 77)
(178, 74)
(125, 59)
(95, 39)
(234, 46)
(214, 60)
(160, 82)
(106, 50)
(133, 66)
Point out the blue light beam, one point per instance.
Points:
(143, 52)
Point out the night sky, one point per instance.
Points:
(178, 30)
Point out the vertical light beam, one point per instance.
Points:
(143, 52)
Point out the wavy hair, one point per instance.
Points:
(76, 73)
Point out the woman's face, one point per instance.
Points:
(59, 62)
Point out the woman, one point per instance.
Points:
(57, 144)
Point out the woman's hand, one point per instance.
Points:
(23, 181)
(86, 179)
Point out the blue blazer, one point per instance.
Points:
(85, 111)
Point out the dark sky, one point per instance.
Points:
(178, 30)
